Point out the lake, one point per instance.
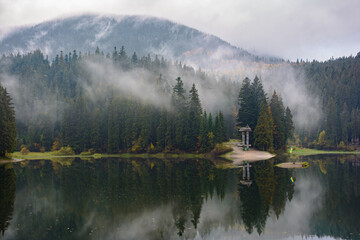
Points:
(115, 198)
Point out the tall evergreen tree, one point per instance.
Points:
(331, 122)
(259, 97)
(278, 113)
(264, 130)
(345, 124)
(194, 118)
(289, 124)
(251, 97)
(246, 101)
(179, 103)
(7, 123)
(204, 131)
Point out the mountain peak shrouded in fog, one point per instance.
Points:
(141, 34)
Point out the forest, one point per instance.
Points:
(116, 103)
(336, 83)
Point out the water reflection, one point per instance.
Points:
(7, 195)
(171, 199)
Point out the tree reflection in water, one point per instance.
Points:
(7, 195)
(167, 199)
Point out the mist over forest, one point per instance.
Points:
(130, 98)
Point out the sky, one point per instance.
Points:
(290, 29)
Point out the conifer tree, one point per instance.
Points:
(179, 103)
(345, 123)
(331, 122)
(204, 140)
(7, 123)
(264, 130)
(246, 115)
(194, 118)
(259, 97)
(251, 97)
(278, 113)
(224, 136)
(289, 124)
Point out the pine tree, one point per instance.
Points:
(331, 122)
(289, 125)
(179, 103)
(134, 59)
(345, 124)
(251, 97)
(204, 140)
(114, 127)
(246, 114)
(224, 137)
(217, 130)
(278, 113)
(7, 123)
(264, 130)
(194, 118)
(259, 97)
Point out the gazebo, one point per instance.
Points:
(244, 130)
(246, 174)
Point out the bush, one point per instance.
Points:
(342, 147)
(91, 151)
(42, 149)
(24, 150)
(220, 149)
(64, 151)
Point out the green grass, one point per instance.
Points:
(308, 151)
(33, 155)
(49, 155)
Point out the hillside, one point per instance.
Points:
(141, 34)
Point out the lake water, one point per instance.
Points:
(179, 199)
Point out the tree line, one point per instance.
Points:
(55, 110)
(271, 123)
(336, 83)
(112, 121)
(7, 123)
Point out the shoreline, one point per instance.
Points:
(238, 156)
(310, 151)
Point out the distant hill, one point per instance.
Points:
(141, 34)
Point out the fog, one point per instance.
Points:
(137, 84)
(283, 78)
(28, 102)
(290, 83)
(219, 91)
(143, 85)
(301, 29)
(153, 222)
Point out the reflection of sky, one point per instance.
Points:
(216, 219)
(293, 223)
(216, 214)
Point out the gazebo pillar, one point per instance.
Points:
(245, 139)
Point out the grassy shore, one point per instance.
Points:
(308, 151)
(49, 155)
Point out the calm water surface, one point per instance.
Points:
(172, 199)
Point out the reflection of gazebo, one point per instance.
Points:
(244, 144)
(246, 175)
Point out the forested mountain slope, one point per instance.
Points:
(117, 103)
(143, 34)
(336, 83)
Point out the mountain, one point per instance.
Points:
(141, 34)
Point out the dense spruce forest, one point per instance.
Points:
(7, 123)
(336, 83)
(113, 103)
(116, 103)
